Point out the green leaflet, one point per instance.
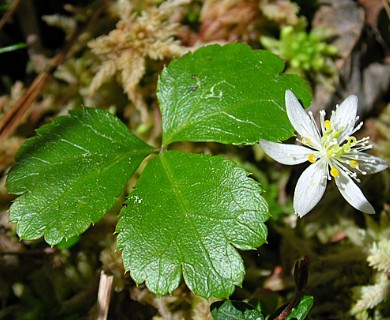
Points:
(234, 310)
(302, 309)
(227, 94)
(70, 174)
(186, 216)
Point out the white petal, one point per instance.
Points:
(369, 163)
(310, 188)
(286, 153)
(300, 119)
(345, 113)
(351, 192)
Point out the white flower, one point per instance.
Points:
(333, 151)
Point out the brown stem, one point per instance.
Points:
(294, 301)
(301, 273)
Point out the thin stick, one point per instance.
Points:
(15, 114)
(386, 5)
(104, 295)
(9, 13)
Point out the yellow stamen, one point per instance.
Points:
(306, 141)
(327, 124)
(352, 141)
(334, 172)
(354, 164)
(312, 158)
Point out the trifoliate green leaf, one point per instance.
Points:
(186, 217)
(234, 310)
(227, 94)
(71, 173)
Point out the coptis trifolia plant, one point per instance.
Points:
(333, 152)
(188, 213)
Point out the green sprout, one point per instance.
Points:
(306, 54)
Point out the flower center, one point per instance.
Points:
(332, 147)
(336, 150)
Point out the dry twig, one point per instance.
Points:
(9, 13)
(104, 295)
(16, 113)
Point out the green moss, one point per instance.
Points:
(306, 53)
